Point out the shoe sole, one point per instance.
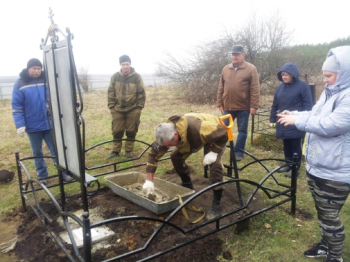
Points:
(310, 256)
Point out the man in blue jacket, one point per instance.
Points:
(29, 111)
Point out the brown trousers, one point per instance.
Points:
(125, 122)
(183, 170)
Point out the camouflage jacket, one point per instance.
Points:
(195, 131)
(126, 93)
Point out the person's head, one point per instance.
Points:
(329, 70)
(34, 67)
(237, 55)
(125, 64)
(287, 78)
(166, 135)
(288, 73)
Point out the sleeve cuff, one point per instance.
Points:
(300, 123)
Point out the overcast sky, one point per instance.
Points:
(105, 30)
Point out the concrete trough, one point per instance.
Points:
(127, 185)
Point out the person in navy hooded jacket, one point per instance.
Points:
(29, 111)
(292, 94)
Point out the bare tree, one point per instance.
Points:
(264, 41)
(84, 79)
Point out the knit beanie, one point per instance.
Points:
(330, 64)
(34, 62)
(124, 58)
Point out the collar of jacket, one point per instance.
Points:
(24, 75)
(132, 71)
(181, 126)
(243, 65)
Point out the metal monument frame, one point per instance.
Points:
(54, 68)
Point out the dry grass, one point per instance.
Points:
(284, 241)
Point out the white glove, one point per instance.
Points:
(273, 125)
(210, 158)
(20, 131)
(148, 187)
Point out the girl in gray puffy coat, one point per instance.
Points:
(327, 152)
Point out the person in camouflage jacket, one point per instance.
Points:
(126, 98)
(189, 133)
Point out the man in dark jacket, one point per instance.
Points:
(29, 111)
(126, 98)
(292, 94)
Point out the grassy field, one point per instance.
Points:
(272, 236)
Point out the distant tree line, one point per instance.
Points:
(267, 45)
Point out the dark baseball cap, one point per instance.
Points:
(237, 49)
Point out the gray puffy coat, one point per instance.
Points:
(328, 125)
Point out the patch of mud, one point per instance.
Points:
(36, 244)
(158, 195)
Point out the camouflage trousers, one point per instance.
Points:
(329, 197)
(127, 123)
(183, 170)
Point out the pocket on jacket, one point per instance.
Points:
(326, 152)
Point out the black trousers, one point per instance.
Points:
(292, 146)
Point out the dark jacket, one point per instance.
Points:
(28, 103)
(294, 96)
(125, 93)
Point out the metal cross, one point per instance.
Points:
(51, 15)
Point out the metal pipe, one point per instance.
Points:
(20, 182)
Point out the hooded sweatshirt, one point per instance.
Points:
(328, 125)
(294, 96)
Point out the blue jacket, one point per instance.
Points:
(328, 125)
(294, 96)
(28, 103)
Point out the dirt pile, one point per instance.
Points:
(36, 244)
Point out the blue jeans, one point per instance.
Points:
(36, 141)
(242, 126)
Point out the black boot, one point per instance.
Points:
(286, 168)
(187, 184)
(289, 174)
(216, 207)
(186, 181)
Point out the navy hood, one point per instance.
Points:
(289, 68)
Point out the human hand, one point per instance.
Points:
(252, 111)
(286, 112)
(148, 187)
(273, 125)
(210, 158)
(221, 110)
(20, 131)
(287, 120)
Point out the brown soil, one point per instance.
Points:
(36, 244)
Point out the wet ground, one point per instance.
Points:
(36, 244)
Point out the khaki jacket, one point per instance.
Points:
(239, 89)
(195, 131)
(126, 93)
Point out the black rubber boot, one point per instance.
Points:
(216, 207)
(186, 181)
(286, 168)
(187, 184)
(289, 173)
